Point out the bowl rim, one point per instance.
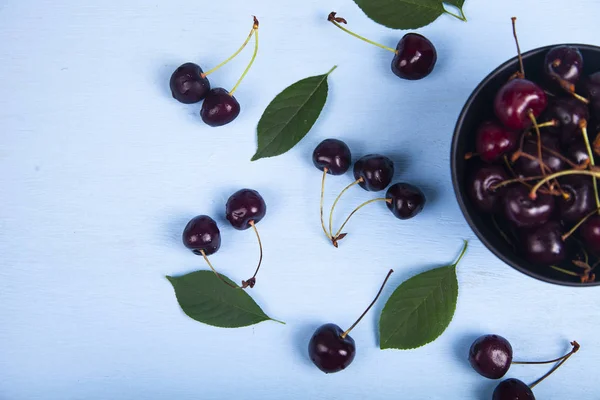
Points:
(453, 166)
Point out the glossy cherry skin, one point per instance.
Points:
(491, 356)
(415, 57)
(544, 245)
(329, 351)
(376, 172)
(581, 198)
(577, 152)
(202, 234)
(590, 233)
(563, 63)
(515, 99)
(219, 108)
(568, 112)
(480, 187)
(524, 212)
(512, 389)
(407, 200)
(188, 85)
(527, 167)
(493, 141)
(334, 155)
(591, 89)
(243, 207)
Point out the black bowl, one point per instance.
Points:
(479, 107)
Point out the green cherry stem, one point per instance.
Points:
(575, 349)
(252, 281)
(462, 253)
(337, 21)
(215, 271)
(325, 170)
(514, 29)
(583, 127)
(549, 361)
(234, 55)
(533, 193)
(356, 182)
(574, 229)
(255, 28)
(336, 237)
(343, 335)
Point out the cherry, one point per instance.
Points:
(245, 208)
(374, 172)
(330, 348)
(568, 113)
(482, 187)
(577, 152)
(334, 155)
(202, 235)
(590, 233)
(491, 356)
(591, 89)
(516, 100)
(563, 64)
(406, 200)
(493, 141)
(189, 84)
(525, 212)
(415, 57)
(528, 165)
(219, 108)
(580, 201)
(513, 389)
(544, 244)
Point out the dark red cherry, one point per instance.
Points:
(415, 57)
(563, 63)
(524, 212)
(568, 112)
(376, 172)
(491, 356)
(591, 89)
(513, 389)
(188, 85)
(590, 233)
(202, 234)
(527, 166)
(481, 187)
(515, 100)
(581, 199)
(493, 141)
(577, 152)
(544, 245)
(243, 207)
(329, 351)
(407, 200)
(334, 155)
(219, 108)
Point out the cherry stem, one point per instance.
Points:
(583, 126)
(543, 362)
(251, 60)
(215, 271)
(323, 200)
(574, 229)
(337, 21)
(565, 271)
(563, 158)
(252, 281)
(234, 55)
(539, 140)
(575, 349)
(343, 335)
(356, 182)
(366, 203)
(514, 28)
(515, 180)
(534, 190)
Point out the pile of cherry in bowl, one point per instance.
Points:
(537, 174)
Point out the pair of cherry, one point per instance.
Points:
(492, 355)
(189, 85)
(244, 209)
(374, 173)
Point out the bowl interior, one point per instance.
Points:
(479, 107)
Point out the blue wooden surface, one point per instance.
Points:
(100, 170)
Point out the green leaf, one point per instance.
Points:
(455, 3)
(402, 14)
(205, 298)
(290, 116)
(420, 309)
